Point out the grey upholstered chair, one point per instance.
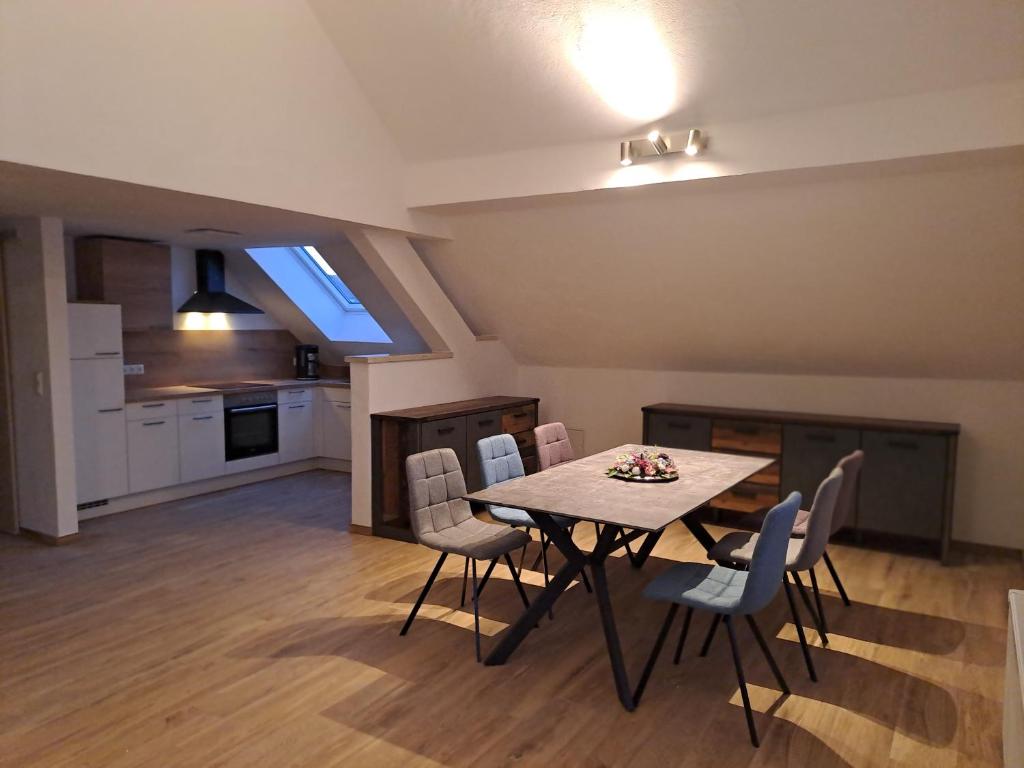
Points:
(728, 593)
(500, 461)
(553, 446)
(850, 465)
(442, 520)
(802, 555)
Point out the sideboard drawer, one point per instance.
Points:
(747, 497)
(518, 419)
(747, 436)
(445, 433)
(669, 430)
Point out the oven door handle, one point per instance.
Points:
(253, 408)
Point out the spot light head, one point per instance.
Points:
(626, 153)
(658, 142)
(694, 142)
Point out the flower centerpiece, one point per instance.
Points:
(644, 466)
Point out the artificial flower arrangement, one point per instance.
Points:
(644, 466)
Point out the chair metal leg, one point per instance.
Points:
(487, 575)
(810, 608)
(835, 578)
(476, 613)
(711, 634)
(522, 556)
(545, 542)
(515, 578)
(743, 683)
(682, 635)
(423, 594)
(817, 600)
(656, 651)
(799, 629)
(767, 654)
(465, 578)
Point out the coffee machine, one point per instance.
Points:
(307, 361)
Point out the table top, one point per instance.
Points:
(581, 490)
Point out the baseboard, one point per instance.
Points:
(361, 530)
(47, 538)
(970, 547)
(212, 485)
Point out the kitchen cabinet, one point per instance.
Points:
(153, 453)
(295, 425)
(201, 444)
(101, 454)
(336, 423)
(94, 331)
(132, 274)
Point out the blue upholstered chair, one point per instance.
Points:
(728, 593)
(500, 461)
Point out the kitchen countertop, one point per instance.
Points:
(170, 393)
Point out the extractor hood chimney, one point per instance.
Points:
(210, 295)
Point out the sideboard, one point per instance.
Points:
(394, 435)
(905, 494)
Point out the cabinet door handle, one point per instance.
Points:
(201, 418)
(207, 400)
(744, 494)
(107, 354)
(819, 437)
(484, 422)
(290, 407)
(152, 423)
(683, 425)
(109, 410)
(296, 391)
(343, 405)
(153, 405)
(907, 445)
(745, 430)
(446, 430)
(520, 415)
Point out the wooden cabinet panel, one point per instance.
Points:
(810, 454)
(747, 497)
(520, 419)
(677, 431)
(153, 453)
(747, 437)
(133, 274)
(201, 445)
(295, 424)
(902, 484)
(479, 426)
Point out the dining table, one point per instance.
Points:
(624, 511)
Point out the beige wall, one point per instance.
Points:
(605, 404)
(36, 291)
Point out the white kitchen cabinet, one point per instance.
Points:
(336, 424)
(101, 451)
(201, 445)
(295, 423)
(294, 395)
(94, 331)
(153, 453)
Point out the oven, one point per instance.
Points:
(250, 425)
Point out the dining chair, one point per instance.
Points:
(850, 465)
(442, 520)
(553, 446)
(728, 593)
(500, 461)
(802, 554)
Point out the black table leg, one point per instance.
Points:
(637, 560)
(700, 533)
(604, 604)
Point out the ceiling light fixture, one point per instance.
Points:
(657, 144)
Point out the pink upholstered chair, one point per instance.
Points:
(553, 446)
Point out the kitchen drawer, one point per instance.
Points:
(200, 405)
(810, 453)
(337, 394)
(479, 426)
(446, 433)
(747, 497)
(902, 484)
(668, 430)
(294, 395)
(151, 409)
(519, 419)
(747, 437)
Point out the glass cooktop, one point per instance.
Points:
(226, 385)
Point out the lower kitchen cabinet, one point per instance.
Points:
(101, 455)
(295, 425)
(201, 445)
(336, 423)
(153, 453)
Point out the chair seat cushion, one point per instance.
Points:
(475, 538)
(519, 517)
(711, 587)
(738, 547)
(800, 526)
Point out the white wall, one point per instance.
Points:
(36, 289)
(244, 100)
(606, 403)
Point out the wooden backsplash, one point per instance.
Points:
(194, 357)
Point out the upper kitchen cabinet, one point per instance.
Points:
(94, 331)
(134, 274)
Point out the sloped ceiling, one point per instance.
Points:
(882, 270)
(464, 77)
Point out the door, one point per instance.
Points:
(295, 431)
(669, 430)
(201, 445)
(337, 430)
(8, 497)
(809, 454)
(152, 454)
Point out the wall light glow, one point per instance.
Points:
(624, 59)
(206, 321)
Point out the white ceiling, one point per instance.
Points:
(459, 78)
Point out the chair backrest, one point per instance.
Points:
(769, 559)
(436, 487)
(848, 492)
(819, 524)
(499, 459)
(553, 446)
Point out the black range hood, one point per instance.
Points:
(210, 295)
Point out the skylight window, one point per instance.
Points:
(314, 287)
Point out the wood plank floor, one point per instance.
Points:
(247, 628)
